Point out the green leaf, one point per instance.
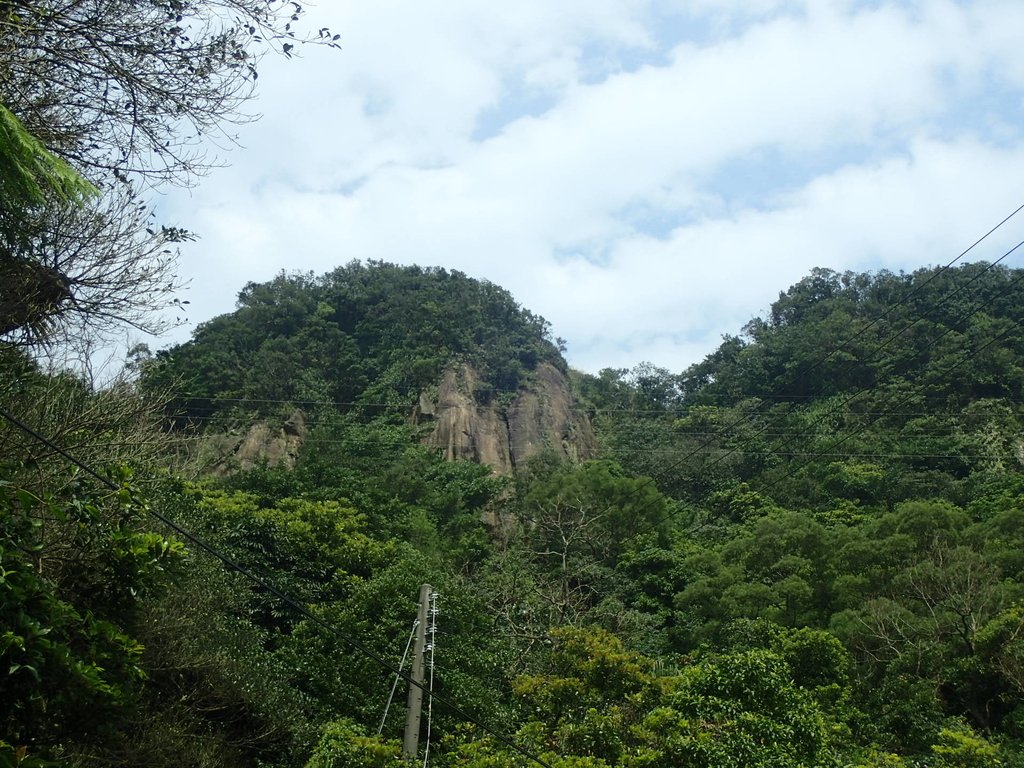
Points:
(29, 173)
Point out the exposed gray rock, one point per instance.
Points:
(262, 444)
(540, 417)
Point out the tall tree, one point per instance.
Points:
(102, 96)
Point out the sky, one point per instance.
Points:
(646, 175)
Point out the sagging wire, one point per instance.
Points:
(394, 685)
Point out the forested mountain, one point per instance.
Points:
(376, 333)
(378, 343)
(857, 389)
(805, 550)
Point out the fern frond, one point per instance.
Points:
(29, 173)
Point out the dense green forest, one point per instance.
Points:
(359, 336)
(805, 550)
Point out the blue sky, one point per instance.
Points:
(646, 175)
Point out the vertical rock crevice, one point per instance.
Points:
(540, 417)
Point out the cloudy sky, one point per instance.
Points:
(646, 175)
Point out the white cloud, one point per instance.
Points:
(907, 212)
(862, 114)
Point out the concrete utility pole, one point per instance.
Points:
(414, 705)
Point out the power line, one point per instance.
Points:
(394, 686)
(898, 334)
(667, 412)
(826, 452)
(863, 390)
(842, 344)
(861, 455)
(962, 361)
(408, 407)
(649, 481)
(846, 455)
(276, 592)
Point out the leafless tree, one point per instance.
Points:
(129, 88)
(77, 272)
(125, 92)
(105, 427)
(956, 590)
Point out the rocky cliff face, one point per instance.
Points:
(540, 417)
(261, 444)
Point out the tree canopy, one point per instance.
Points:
(100, 101)
(373, 333)
(803, 551)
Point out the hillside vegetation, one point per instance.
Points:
(360, 335)
(805, 550)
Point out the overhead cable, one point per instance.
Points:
(278, 593)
